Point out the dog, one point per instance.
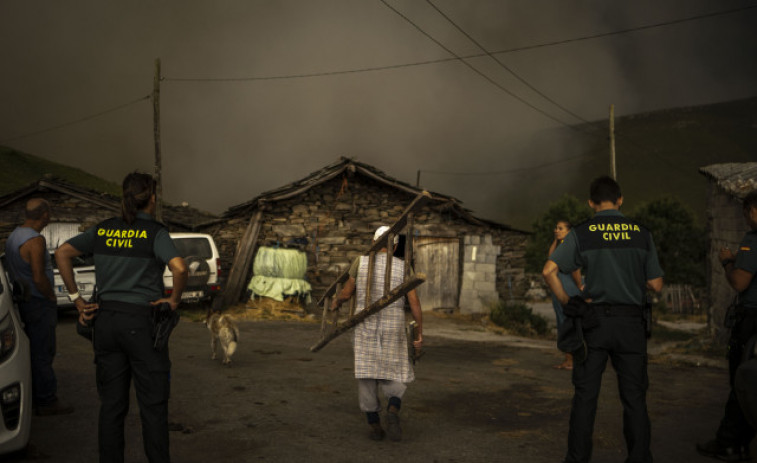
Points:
(224, 330)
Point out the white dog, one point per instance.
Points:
(222, 328)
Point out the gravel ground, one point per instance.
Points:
(478, 397)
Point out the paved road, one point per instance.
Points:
(478, 397)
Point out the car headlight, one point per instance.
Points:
(7, 337)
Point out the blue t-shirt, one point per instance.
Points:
(18, 268)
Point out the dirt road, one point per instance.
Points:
(478, 397)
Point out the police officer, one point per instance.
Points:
(130, 254)
(620, 262)
(734, 434)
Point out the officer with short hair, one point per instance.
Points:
(734, 434)
(620, 262)
(130, 254)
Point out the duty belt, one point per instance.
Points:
(609, 310)
(126, 307)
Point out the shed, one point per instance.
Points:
(331, 215)
(83, 207)
(728, 184)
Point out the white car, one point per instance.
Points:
(57, 233)
(204, 264)
(84, 271)
(15, 374)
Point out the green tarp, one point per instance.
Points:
(280, 273)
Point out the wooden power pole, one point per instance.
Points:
(156, 132)
(613, 171)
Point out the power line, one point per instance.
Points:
(474, 69)
(478, 55)
(77, 121)
(522, 80)
(503, 65)
(510, 171)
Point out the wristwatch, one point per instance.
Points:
(73, 296)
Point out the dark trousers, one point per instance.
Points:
(734, 428)
(40, 317)
(623, 340)
(124, 351)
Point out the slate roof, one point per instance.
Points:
(184, 216)
(350, 165)
(735, 178)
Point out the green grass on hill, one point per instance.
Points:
(19, 170)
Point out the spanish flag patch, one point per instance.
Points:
(745, 248)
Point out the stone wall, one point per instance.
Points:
(64, 208)
(334, 223)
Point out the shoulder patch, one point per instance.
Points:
(745, 248)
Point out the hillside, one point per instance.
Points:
(657, 154)
(18, 170)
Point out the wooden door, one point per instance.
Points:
(439, 259)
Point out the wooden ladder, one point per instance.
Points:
(330, 326)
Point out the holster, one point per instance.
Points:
(164, 320)
(87, 330)
(730, 314)
(647, 316)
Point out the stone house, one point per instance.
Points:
(331, 216)
(78, 208)
(727, 186)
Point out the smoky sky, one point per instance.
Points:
(225, 137)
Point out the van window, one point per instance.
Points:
(199, 247)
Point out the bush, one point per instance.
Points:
(566, 208)
(518, 318)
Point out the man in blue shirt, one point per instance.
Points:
(30, 267)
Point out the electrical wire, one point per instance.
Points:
(482, 74)
(537, 91)
(503, 65)
(77, 121)
(509, 171)
(478, 55)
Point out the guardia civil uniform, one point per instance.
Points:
(129, 262)
(734, 430)
(618, 257)
(380, 341)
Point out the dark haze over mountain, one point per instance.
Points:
(84, 69)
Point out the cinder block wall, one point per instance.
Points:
(479, 283)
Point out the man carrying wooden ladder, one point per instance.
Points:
(380, 341)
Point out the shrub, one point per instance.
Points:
(518, 318)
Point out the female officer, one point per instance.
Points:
(130, 254)
(571, 282)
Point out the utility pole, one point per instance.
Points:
(613, 171)
(156, 132)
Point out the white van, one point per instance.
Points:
(15, 374)
(57, 233)
(203, 261)
(84, 271)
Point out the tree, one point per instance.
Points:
(567, 208)
(680, 241)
